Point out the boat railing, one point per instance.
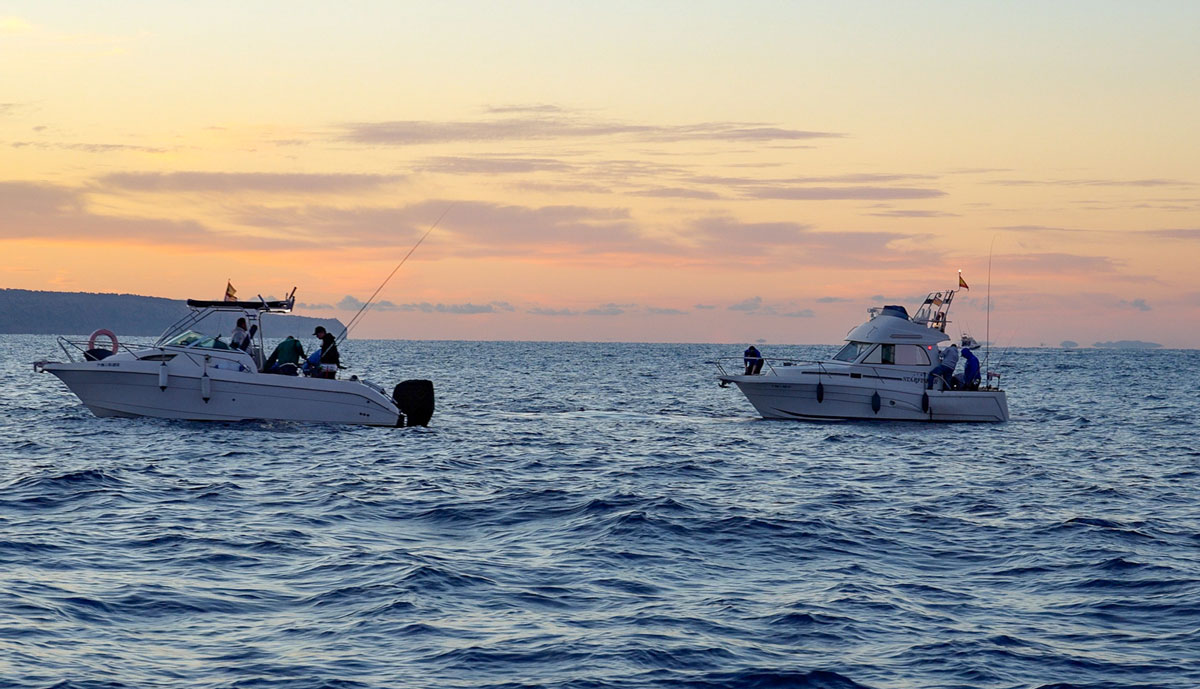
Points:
(736, 365)
(77, 350)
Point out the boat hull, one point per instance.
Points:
(774, 398)
(133, 390)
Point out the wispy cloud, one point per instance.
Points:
(676, 193)
(233, 182)
(914, 214)
(350, 303)
(1151, 182)
(545, 123)
(841, 193)
(747, 305)
(1183, 233)
(491, 165)
(89, 147)
(1139, 304)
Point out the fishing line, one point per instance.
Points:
(367, 304)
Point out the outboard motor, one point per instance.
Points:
(415, 400)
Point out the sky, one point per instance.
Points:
(615, 171)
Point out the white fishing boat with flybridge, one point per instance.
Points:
(190, 373)
(881, 372)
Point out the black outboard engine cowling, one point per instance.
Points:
(415, 400)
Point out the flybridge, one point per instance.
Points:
(934, 310)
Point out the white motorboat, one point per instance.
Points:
(880, 373)
(190, 375)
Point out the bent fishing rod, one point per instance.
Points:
(367, 304)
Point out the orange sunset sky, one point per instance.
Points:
(643, 171)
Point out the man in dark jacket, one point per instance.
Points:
(290, 351)
(753, 360)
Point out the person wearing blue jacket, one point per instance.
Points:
(969, 379)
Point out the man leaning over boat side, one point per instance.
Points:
(286, 358)
(948, 359)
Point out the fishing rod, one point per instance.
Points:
(987, 335)
(367, 304)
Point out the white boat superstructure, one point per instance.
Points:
(880, 373)
(190, 375)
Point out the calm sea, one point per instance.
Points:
(604, 515)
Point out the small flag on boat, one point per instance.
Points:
(937, 301)
(993, 374)
(961, 282)
(230, 292)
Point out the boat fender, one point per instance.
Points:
(924, 401)
(163, 376)
(414, 398)
(875, 403)
(103, 332)
(205, 383)
(820, 392)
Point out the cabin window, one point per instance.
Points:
(882, 354)
(911, 355)
(851, 351)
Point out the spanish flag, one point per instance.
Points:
(961, 282)
(231, 293)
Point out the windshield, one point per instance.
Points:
(851, 351)
(184, 339)
(192, 338)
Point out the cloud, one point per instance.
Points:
(314, 307)
(1056, 263)
(915, 214)
(704, 307)
(609, 310)
(803, 313)
(1154, 182)
(87, 148)
(748, 305)
(231, 182)
(349, 303)
(841, 193)
(656, 311)
(1186, 234)
(47, 211)
(799, 244)
(1139, 304)
(676, 193)
(493, 165)
(833, 300)
(547, 122)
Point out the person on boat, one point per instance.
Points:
(753, 360)
(325, 361)
(240, 338)
(969, 378)
(286, 358)
(948, 360)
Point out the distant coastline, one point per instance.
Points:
(32, 312)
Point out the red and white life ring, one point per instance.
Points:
(103, 332)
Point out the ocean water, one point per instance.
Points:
(604, 515)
